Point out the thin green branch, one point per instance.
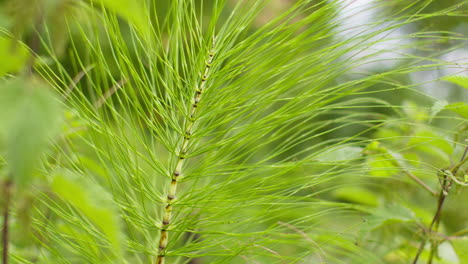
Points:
(177, 172)
(463, 159)
(420, 182)
(445, 183)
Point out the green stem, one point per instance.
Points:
(420, 182)
(446, 184)
(463, 159)
(177, 172)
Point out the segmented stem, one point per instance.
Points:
(177, 173)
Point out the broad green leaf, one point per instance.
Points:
(356, 195)
(13, 55)
(431, 138)
(379, 160)
(391, 135)
(415, 112)
(375, 148)
(460, 80)
(387, 133)
(30, 115)
(459, 108)
(382, 166)
(460, 246)
(447, 253)
(430, 143)
(395, 213)
(399, 255)
(412, 158)
(93, 202)
(131, 10)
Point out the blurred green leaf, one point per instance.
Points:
(399, 255)
(459, 108)
(382, 166)
(379, 160)
(92, 201)
(447, 253)
(13, 55)
(460, 246)
(460, 80)
(381, 216)
(30, 115)
(431, 143)
(356, 195)
(412, 158)
(131, 10)
(375, 148)
(415, 112)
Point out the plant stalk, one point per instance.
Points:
(420, 182)
(446, 184)
(177, 172)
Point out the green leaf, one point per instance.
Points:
(395, 213)
(13, 55)
(382, 166)
(447, 253)
(30, 115)
(459, 108)
(432, 143)
(412, 158)
(391, 135)
(92, 201)
(131, 10)
(460, 80)
(460, 246)
(415, 112)
(379, 160)
(356, 195)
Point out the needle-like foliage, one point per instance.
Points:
(208, 132)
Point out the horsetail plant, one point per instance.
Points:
(177, 173)
(214, 131)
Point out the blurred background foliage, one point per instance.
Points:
(423, 132)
